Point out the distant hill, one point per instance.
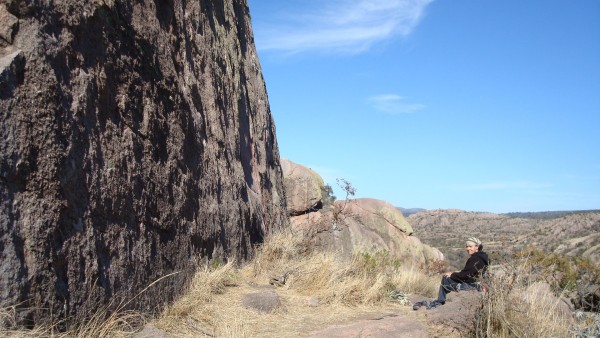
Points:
(548, 214)
(532, 214)
(409, 211)
(573, 233)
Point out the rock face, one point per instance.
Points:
(303, 186)
(135, 137)
(359, 225)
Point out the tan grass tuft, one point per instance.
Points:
(413, 280)
(514, 308)
(203, 287)
(366, 279)
(278, 253)
(109, 324)
(103, 323)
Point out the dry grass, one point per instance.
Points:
(112, 320)
(345, 290)
(366, 279)
(517, 306)
(8, 325)
(103, 323)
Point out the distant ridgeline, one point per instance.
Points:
(533, 215)
(548, 214)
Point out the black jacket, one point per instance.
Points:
(474, 268)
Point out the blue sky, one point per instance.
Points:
(473, 105)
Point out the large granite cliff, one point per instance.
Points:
(135, 138)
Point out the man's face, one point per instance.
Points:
(471, 249)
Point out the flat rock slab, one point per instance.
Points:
(264, 301)
(459, 314)
(386, 327)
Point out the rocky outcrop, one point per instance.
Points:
(349, 226)
(379, 213)
(303, 187)
(135, 138)
(365, 225)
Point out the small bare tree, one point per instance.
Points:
(339, 208)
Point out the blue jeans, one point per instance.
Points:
(449, 285)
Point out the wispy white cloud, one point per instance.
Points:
(348, 26)
(393, 104)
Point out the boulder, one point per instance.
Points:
(135, 139)
(539, 292)
(432, 254)
(458, 317)
(303, 188)
(378, 214)
(376, 225)
(263, 301)
(349, 226)
(365, 225)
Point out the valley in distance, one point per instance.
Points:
(573, 233)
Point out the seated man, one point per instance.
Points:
(466, 279)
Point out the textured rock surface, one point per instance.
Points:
(303, 186)
(135, 136)
(377, 225)
(379, 213)
(365, 225)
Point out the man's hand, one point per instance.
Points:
(447, 274)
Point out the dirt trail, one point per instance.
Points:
(299, 319)
(297, 316)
